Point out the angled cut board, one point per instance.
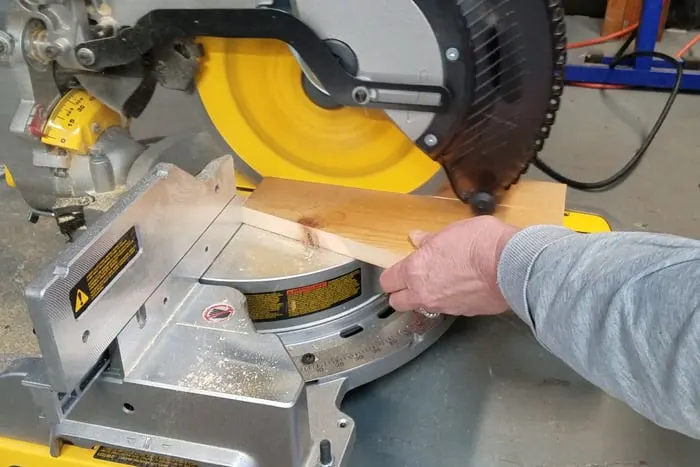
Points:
(373, 226)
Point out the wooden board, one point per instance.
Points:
(622, 13)
(614, 16)
(373, 226)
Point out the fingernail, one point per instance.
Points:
(417, 237)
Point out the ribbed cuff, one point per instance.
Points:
(516, 263)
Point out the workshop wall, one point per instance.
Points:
(592, 8)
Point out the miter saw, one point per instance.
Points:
(170, 333)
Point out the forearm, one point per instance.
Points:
(621, 309)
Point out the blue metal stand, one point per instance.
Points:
(643, 72)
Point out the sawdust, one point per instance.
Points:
(5, 363)
(236, 374)
(265, 255)
(104, 201)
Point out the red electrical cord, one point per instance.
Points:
(623, 32)
(603, 39)
(688, 46)
(596, 41)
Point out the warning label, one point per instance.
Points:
(301, 301)
(104, 272)
(139, 459)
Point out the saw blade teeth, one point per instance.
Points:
(507, 123)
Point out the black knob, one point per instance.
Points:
(483, 203)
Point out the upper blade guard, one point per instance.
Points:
(517, 52)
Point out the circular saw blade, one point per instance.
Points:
(252, 92)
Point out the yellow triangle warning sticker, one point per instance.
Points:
(81, 299)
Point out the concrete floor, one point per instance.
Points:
(487, 394)
(598, 131)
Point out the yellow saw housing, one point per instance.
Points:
(252, 91)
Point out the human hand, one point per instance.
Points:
(453, 271)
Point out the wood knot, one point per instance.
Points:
(309, 238)
(309, 222)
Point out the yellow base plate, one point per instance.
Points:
(584, 222)
(20, 454)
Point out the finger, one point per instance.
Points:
(419, 237)
(403, 300)
(394, 278)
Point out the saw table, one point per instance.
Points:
(486, 394)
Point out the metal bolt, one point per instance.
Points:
(430, 140)
(308, 358)
(452, 54)
(85, 57)
(95, 153)
(105, 30)
(52, 51)
(7, 44)
(60, 173)
(325, 455)
(360, 95)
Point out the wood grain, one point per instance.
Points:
(614, 16)
(633, 13)
(664, 20)
(622, 13)
(373, 226)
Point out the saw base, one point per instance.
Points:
(193, 355)
(376, 342)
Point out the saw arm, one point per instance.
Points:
(489, 123)
(478, 95)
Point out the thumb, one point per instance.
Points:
(419, 238)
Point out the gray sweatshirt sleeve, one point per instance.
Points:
(622, 309)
